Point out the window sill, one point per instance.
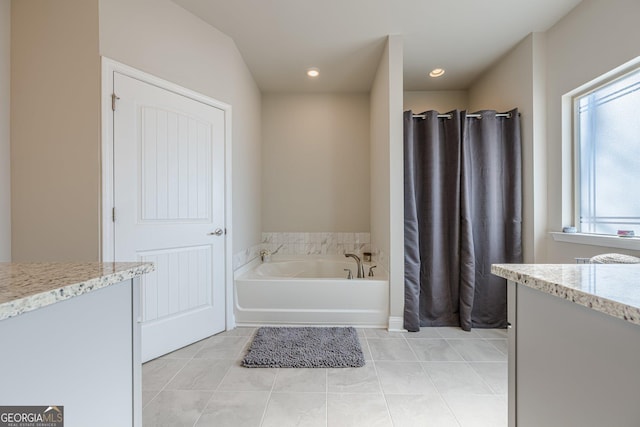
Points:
(632, 243)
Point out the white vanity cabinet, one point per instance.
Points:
(574, 345)
(512, 328)
(75, 345)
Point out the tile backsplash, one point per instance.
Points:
(289, 243)
(327, 243)
(243, 257)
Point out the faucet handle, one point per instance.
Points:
(371, 270)
(349, 274)
(265, 255)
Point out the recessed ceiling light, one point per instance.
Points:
(436, 72)
(313, 72)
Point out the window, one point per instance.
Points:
(607, 129)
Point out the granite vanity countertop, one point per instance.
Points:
(28, 286)
(612, 289)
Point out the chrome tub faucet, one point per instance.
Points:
(360, 274)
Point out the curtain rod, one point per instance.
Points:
(474, 116)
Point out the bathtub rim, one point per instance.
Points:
(380, 272)
(381, 320)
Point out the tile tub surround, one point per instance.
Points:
(328, 243)
(28, 286)
(244, 257)
(613, 289)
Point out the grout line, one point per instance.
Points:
(375, 368)
(213, 393)
(170, 379)
(472, 333)
(491, 340)
(234, 363)
(174, 375)
(326, 396)
(456, 351)
(455, 416)
(412, 350)
(426, 374)
(469, 364)
(273, 386)
(494, 391)
(484, 340)
(150, 400)
(434, 385)
(264, 413)
(201, 346)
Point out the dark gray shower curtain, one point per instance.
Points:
(462, 214)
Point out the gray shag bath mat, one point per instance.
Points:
(331, 347)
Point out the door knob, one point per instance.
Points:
(218, 232)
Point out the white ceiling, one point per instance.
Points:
(280, 39)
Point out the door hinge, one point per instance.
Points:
(114, 98)
(113, 214)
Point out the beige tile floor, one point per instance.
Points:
(438, 377)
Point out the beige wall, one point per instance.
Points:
(396, 184)
(534, 76)
(55, 124)
(380, 168)
(159, 37)
(315, 162)
(517, 80)
(594, 38)
(5, 135)
(438, 100)
(387, 176)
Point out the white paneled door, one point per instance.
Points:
(169, 209)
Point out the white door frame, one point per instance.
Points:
(107, 234)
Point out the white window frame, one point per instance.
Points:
(577, 172)
(571, 132)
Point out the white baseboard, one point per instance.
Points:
(396, 324)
